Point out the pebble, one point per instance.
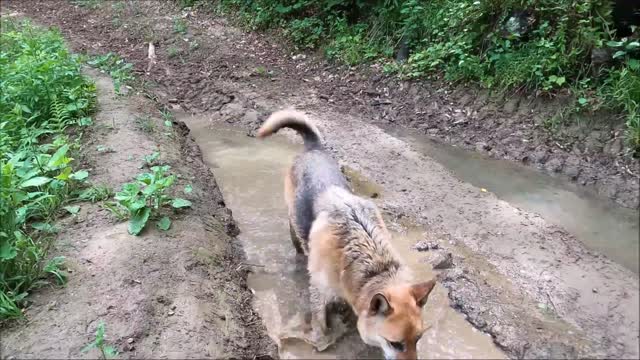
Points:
(171, 313)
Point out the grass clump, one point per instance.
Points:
(116, 67)
(43, 94)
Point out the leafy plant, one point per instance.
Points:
(116, 67)
(106, 351)
(143, 198)
(43, 94)
(180, 26)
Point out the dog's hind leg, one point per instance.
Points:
(295, 239)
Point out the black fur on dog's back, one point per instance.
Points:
(313, 171)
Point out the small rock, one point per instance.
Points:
(512, 105)
(441, 260)
(554, 164)
(482, 146)
(614, 147)
(171, 313)
(594, 290)
(424, 245)
(173, 307)
(130, 341)
(539, 155)
(250, 117)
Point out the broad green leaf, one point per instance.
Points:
(7, 251)
(72, 209)
(79, 175)
(188, 189)
(582, 101)
(64, 175)
(164, 224)
(36, 181)
(44, 227)
(59, 157)
(139, 220)
(168, 123)
(180, 203)
(619, 53)
(85, 121)
(110, 352)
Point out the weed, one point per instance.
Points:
(193, 46)
(167, 117)
(94, 194)
(91, 4)
(143, 198)
(106, 351)
(151, 159)
(116, 67)
(173, 51)
(180, 26)
(145, 123)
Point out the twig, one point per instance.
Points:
(552, 304)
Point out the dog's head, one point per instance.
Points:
(393, 319)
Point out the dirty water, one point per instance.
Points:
(610, 230)
(250, 174)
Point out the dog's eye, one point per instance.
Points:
(397, 345)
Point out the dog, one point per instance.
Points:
(348, 248)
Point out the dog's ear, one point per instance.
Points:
(379, 305)
(421, 291)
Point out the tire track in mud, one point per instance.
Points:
(516, 260)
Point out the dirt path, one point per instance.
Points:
(529, 284)
(178, 294)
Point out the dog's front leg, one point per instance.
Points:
(318, 301)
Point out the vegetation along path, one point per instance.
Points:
(517, 268)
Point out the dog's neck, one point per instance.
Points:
(398, 276)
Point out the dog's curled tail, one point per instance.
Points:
(294, 120)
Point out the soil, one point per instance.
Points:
(529, 284)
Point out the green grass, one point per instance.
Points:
(469, 41)
(116, 67)
(43, 95)
(106, 351)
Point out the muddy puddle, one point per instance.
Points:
(597, 223)
(250, 175)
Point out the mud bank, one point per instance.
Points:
(530, 284)
(176, 294)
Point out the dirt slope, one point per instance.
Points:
(509, 262)
(179, 294)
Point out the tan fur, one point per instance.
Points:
(351, 257)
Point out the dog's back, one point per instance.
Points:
(312, 173)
